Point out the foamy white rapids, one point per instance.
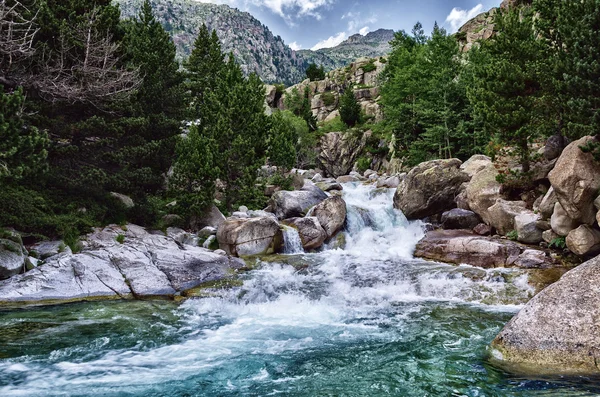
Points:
(362, 292)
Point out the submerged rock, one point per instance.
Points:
(144, 265)
(557, 331)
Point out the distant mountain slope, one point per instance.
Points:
(255, 47)
(372, 45)
(253, 44)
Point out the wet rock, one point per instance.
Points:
(584, 241)
(531, 259)
(311, 233)
(252, 236)
(145, 265)
(430, 188)
(483, 191)
(331, 214)
(576, 181)
(560, 221)
(391, 183)
(285, 204)
(462, 247)
(460, 219)
(557, 331)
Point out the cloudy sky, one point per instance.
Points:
(305, 24)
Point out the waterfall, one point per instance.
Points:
(292, 244)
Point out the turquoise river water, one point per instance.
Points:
(368, 320)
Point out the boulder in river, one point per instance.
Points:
(311, 233)
(12, 257)
(463, 247)
(250, 236)
(286, 204)
(331, 214)
(502, 215)
(557, 331)
(143, 265)
(430, 188)
(482, 192)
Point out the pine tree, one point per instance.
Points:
(22, 149)
(349, 108)
(506, 86)
(314, 72)
(284, 138)
(203, 67)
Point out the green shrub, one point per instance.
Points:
(363, 164)
(335, 125)
(512, 235)
(558, 243)
(369, 67)
(328, 98)
(120, 238)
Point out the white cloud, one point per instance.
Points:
(331, 41)
(295, 46)
(458, 17)
(288, 9)
(355, 20)
(364, 31)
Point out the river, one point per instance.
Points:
(366, 320)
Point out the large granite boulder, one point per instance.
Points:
(250, 236)
(144, 265)
(286, 204)
(502, 215)
(311, 233)
(557, 331)
(430, 188)
(463, 247)
(331, 214)
(584, 241)
(482, 192)
(576, 181)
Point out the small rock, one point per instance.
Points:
(549, 236)
(241, 215)
(125, 200)
(502, 215)
(243, 208)
(483, 230)
(207, 231)
(209, 242)
(311, 233)
(220, 252)
(526, 227)
(347, 179)
(47, 249)
(460, 219)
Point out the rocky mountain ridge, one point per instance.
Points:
(253, 44)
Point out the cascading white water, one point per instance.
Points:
(297, 326)
(292, 244)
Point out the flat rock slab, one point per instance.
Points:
(145, 265)
(464, 247)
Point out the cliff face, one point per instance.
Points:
(362, 76)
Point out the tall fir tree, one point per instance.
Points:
(349, 108)
(506, 90)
